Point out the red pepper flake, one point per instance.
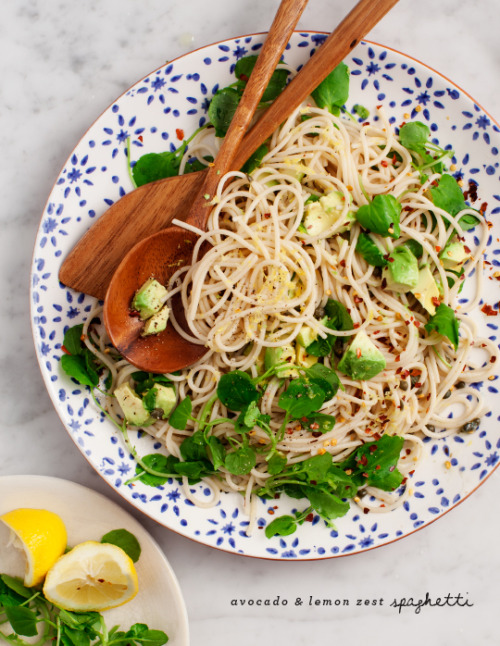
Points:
(398, 358)
(309, 518)
(363, 460)
(384, 163)
(267, 215)
(437, 248)
(467, 249)
(417, 324)
(65, 350)
(270, 512)
(358, 353)
(356, 325)
(394, 158)
(418, 384)
(398, 371)
(435, 300)
(483, 208)
(180, 134)
(342, 263)
(366, 123)
(365, 475)
(488, 310)
(390, 259)
(358, 299)
(141, 138)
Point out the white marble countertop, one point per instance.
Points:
(62, 64)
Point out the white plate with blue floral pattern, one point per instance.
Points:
(175, 97)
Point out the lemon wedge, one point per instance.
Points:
(41, 534)
(92, 576)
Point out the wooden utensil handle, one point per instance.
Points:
(279, 34)
(363, 17)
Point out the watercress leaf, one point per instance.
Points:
(341, 483)
(217, 451)
(194, 469)
(338, 316)
(276, 463)
(22, 619)
(444, 322)
(222, 108)
(91, 366)
(468, 221)
(327, 504)
(126, 540)
(76, 367)
(241, 461)
(249, 417)
(154, 166)
(142, 634)
(381, 216)
(149, 399)
(236, 390)
(281, 526)
(73, 339)
(322, 346)
(78, 619)
(277, 82)
(370, 251)
(16, 585)
(326, 378)
(301, 398)
(374, 463)
(447, 195)
(316, 468)
(333, 91)
(194, 447)
(318, 422)
(181, 413)
(414, 135)
(415, 247)
(74, 637)
(255, 160)
(157, 462)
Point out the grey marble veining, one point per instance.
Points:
(62, 63)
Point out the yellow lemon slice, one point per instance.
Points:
(92, 576)
(41, 534)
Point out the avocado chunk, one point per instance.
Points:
(276, 356)
(453, 255)
(165, 399)
(131, 405)
(156, 323)
(306, 336)
(323, 214)
(149, 299)
(401, 272)
(426, 290)
(362, 359)
(303, 359)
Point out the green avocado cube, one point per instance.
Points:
(276, 356)
(454, 255)
(156, 323)
(131, 405)
(362, 360)
(150, 298)
(165, 399)
(401, 272)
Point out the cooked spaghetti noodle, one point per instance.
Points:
(265, 277)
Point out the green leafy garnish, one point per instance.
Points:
(126, 540)
(447, 195)
(333, 91)
(154, 166)
(26, 612)
(370, 251)
(236, 390)
(444, 322)
(277, 82)
(414, 135)
(381, 216)
(337, 318)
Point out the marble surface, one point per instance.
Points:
(62, 64)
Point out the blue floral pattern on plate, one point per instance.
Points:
(151, 115)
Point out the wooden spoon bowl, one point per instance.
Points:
(159, 256)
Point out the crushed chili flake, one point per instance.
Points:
(309, 518)
(180, 134)
(358, 353)
(488, 310)
(342, 263)
(435, 300)
(141, 138)
(384, 163)
(65, 350)
(437, 248)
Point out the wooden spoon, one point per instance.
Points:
(91, 263)
(163, 253)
